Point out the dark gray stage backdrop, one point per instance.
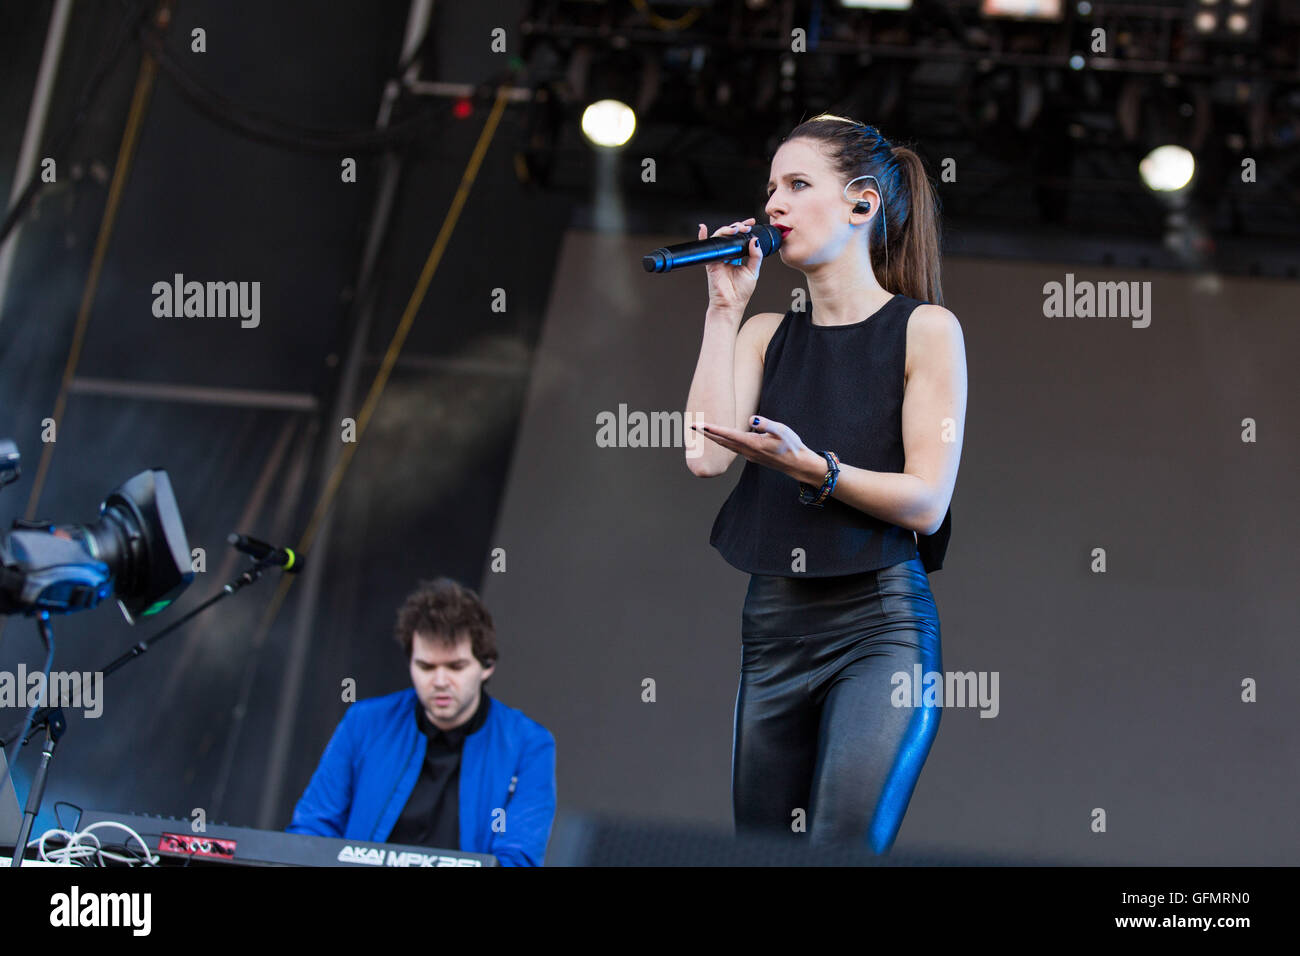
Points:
(1120, 691)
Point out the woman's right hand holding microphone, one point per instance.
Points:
(731, 286)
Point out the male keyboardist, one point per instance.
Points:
(441, 764)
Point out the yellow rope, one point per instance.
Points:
(326, 500)
(125, 153)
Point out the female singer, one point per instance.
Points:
(849, 416)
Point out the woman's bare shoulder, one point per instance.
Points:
(931, 329)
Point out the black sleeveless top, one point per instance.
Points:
(840, 387)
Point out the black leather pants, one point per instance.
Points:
(817, 728)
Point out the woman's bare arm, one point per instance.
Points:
(728, 378)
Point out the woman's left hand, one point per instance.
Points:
(770, 444)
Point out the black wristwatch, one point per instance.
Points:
(816, 497)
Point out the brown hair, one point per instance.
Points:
(910, 217)
(441, 610)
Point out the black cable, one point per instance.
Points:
(90, 92)
(141, 855)
(59, 823)
(274, 131)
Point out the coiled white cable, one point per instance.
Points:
(84, 853)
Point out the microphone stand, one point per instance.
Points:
(52, 719)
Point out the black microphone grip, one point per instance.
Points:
(735, 246)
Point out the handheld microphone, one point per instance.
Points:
(286, 558)
(735, 246)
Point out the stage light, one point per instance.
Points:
(1225, 21)
(876, 4)
(608, 123)
(1167, 169)
(1023, 9)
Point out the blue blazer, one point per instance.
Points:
(370, 765)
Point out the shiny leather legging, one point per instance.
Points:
(816, 727)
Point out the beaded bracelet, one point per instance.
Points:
(809, 496)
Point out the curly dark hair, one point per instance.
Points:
(443, 609)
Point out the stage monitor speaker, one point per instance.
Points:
(601, 840)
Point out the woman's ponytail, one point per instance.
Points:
(913, 266)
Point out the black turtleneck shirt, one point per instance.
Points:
(431, 816)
